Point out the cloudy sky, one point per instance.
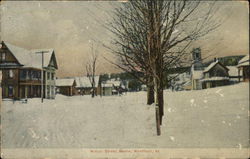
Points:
(71, 27)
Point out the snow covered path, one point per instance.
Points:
(214, 118)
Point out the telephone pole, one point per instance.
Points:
(42, 52)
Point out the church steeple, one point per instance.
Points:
(197, 60)
(196, 54)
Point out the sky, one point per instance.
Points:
(72, 27)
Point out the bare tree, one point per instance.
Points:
(131, 46)
(91, 70)
(154, 36)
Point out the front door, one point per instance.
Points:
(10, 91)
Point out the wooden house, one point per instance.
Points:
(244, 69)
(21, 69)
(216, 74)
(112, 87)
(66, 86)
(84, 87)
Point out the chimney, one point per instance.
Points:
(215, 59)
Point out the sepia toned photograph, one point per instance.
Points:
(124, 79)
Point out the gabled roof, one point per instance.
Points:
(84, 82)
(21, 54)
(244, 61)
(30, 58)
(113, 82)
(212, 66)
(107, 85)
(65, 82)
(38, 56)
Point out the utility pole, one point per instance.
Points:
(42, 52)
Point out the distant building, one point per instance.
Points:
(244, 68)
(84, 87)
(66, 86)
(180, 81)
(233, 74)
(107, 89)
(21, 72)
(144, 87)
(196, 69)
(216, 74)
(112, 87)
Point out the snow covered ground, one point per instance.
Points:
(211, 118)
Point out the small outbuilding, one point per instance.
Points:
(107, 89)
(84, 87)
(66, 86)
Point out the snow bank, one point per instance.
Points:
(215, 117)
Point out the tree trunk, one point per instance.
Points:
(150, 95)
(161, 103)
(157, 110)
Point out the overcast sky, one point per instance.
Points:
(71, 27)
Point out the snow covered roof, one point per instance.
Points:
(65, 82)
(83, 82)
(30, 58)
(38, 56)
(233, 70)
(215, 79)
(212, 65)
(197, 74)
(107, 85)
(244, 61)
(114, 82)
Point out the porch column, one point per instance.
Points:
(239, 74)
(26, 91)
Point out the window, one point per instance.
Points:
(48, 91)
(3, 56)
(197, 55)
(11, 74)
(52, 91)
(28, 74)
(48, 75)
(39, 75)
(22, 74)
(52, 76)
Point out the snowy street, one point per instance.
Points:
(210, 118)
